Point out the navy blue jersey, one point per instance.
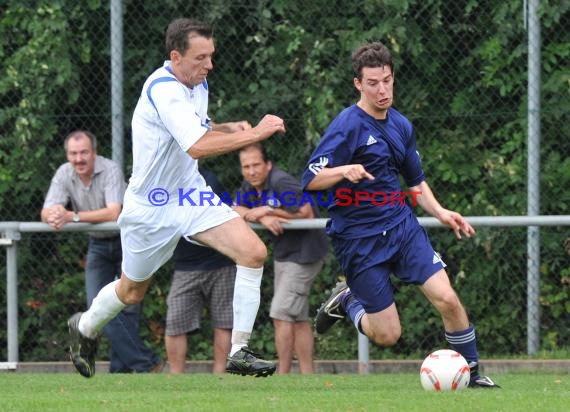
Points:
(386, 149)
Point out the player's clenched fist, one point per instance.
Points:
(269, 125)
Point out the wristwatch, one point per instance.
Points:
(76, 217)
(272, 202)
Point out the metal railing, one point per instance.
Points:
(10, 234)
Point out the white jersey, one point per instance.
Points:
(168, 119)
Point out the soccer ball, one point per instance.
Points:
(444, 370)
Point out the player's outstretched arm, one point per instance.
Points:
(215, 143)
(230, 127)
(427, 201)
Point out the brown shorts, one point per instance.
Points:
(291, 289)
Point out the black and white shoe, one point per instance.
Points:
(82, 349)
(478, 381)
(331, 311)
(483, 382)
(246, 362)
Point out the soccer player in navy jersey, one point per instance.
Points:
(361, 156)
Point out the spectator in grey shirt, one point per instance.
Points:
(93, 187)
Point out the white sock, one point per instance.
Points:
(246, 304)
(105, 307)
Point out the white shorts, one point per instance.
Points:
(149, 234)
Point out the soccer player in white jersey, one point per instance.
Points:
(171, 131)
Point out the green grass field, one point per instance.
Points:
(204, 392)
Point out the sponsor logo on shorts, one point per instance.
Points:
(437, 259)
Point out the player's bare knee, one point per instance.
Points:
(386, 338)
(254, 256)
(449, 302)
(260, 253)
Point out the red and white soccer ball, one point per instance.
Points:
(444, 370)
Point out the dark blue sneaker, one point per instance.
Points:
(82, 349)
(478, 381)
(331, 311)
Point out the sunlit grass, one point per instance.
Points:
(205, 392)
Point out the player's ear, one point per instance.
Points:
(357, 84)
(175, 56)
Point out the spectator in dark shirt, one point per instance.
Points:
(298, 254)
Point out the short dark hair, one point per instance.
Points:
(258, 146)
(178, 30)
(371, 55)
(77, 134)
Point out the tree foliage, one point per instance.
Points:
(461, 77)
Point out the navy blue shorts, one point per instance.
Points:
(404, 251)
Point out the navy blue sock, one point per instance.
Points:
(353, 308)
(464, 342)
